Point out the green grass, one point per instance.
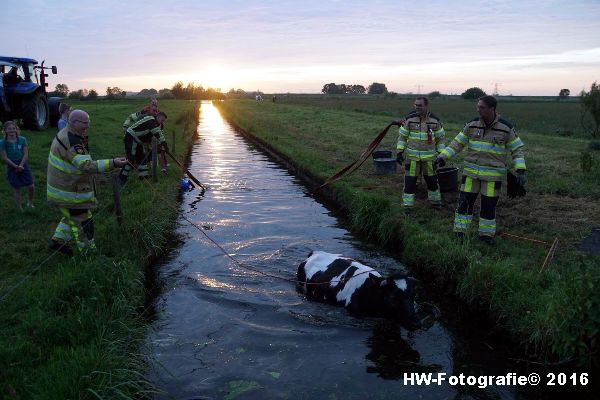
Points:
(71, 328)
(547, 117)
(555, 315)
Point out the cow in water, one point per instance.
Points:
(363, 291)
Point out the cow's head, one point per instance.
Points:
(399, 301)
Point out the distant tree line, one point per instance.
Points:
(374, 88)
(193, 92)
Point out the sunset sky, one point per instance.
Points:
(526, 47)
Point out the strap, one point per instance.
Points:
(348, 169)
(61, 143)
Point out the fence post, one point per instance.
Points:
(154, 160)
(116, 184)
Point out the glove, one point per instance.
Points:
(400, 157)
(521, 178)
(439, 162)
(399, 122)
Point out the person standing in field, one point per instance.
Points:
(15, 153)
(71, 185)
(63, 109)
(153, 110)
(488, 140)
(137, 137)
(420, 140)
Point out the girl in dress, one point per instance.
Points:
(14, 151)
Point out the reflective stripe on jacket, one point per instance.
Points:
(133, 118)
(421, 138)
(145, 128)
(487, 149)
(70, 182)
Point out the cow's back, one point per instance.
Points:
(332, 278)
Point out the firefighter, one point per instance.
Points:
(137, 138)
(70, 184)
(420, 140)
(488, 141)
(153, 110)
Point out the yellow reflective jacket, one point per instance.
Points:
(487, 149)
(71, 170)
(421, 138)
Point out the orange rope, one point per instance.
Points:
(550, 254)
(523, 238)
(551, 250)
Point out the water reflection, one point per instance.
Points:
(392, 356)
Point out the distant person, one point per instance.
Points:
(63, 109)
(153, 110)
(274, 99)
(420, 141)
(15, 153)
(137, 138)
(71, 185)
(488, 140)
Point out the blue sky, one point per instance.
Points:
(527, 47)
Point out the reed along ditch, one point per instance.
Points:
(223, 331)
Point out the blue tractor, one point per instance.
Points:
(23, 93)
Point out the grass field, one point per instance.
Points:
(540, 115)
(71, 328)
(554, 315)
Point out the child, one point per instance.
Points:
(14, 151)
(64, 110)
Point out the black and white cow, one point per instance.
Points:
(363, 291)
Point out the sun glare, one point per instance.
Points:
(211, 120)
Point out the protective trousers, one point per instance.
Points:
(413, 170)
(490, 192)
(137, 157)
(76, 225)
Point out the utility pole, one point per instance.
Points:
(496, 84)
(419, 88)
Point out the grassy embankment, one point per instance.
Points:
(555, 315)
(72, 327)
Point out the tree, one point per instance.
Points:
(357, 89)
(61, 90)
(472, 93)
(113, 92)
(590, 102)
(331, 88)
(563, 94)
(434, 94)
(79, 94)
(178, 90)
(148, 92)
(165, 94)
(377, 88)
(92, 95)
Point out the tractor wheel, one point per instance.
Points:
(35, 111)
(53, 104)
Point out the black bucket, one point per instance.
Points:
(384, 162)
(448, 179)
